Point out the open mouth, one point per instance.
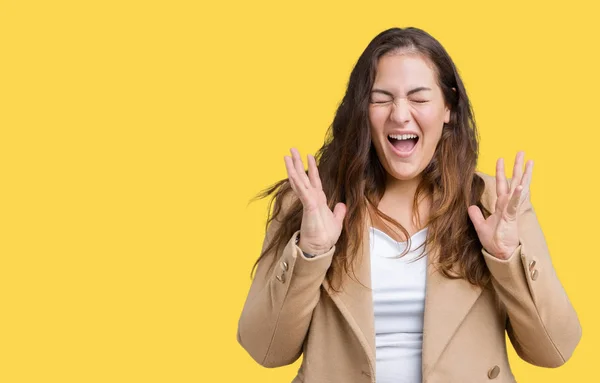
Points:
(403, 143)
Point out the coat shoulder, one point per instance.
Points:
(488, 199)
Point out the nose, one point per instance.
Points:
(400, 111)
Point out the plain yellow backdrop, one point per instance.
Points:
(134, 133)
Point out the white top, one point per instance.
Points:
(399, 304)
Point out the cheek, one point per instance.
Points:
(430, 119)
(377, 117)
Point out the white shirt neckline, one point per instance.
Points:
(417, 239)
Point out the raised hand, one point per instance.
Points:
(499, 233)
(321, 227)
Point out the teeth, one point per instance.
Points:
(402, 136)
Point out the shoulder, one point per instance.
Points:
(489, 180)
(286, 198)
(488, 198)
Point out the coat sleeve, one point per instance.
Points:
(542, 324)
(279, 306)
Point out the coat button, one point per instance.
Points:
(284, 265)
(534, 275)
(281, 278)
(494, 372)
(531, 265)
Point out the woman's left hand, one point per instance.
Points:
(499, 233)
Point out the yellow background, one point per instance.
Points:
(134, 133)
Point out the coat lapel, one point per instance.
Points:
(355, 300)
(447, 302)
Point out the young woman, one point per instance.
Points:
(392, 259)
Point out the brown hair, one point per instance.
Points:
(351, 172)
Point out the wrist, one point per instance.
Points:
(310, 252)
(504, 255)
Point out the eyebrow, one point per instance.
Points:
(415, 90)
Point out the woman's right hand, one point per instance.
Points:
(320, 228)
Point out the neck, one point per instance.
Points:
(401, 190)
(397, 202)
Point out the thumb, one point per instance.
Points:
(339, 212)
(476, 217)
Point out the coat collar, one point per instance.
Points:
(447, 302)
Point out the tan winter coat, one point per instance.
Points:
(292, 311)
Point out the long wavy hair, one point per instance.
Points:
(351, 172)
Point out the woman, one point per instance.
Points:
(392, 259)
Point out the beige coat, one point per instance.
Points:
(292, 311)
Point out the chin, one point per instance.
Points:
(404, 174)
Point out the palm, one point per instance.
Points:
(321, 227)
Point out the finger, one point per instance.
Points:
(302, 193)
(527, 176)
(289, 167)
(292, 177)
(517, 170)
(501, 184)
(476, 217)
(513, 204)
(313, 172)
(526, 182)
(301, 176)
(339, 211)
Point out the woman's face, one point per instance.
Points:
(407, 114)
